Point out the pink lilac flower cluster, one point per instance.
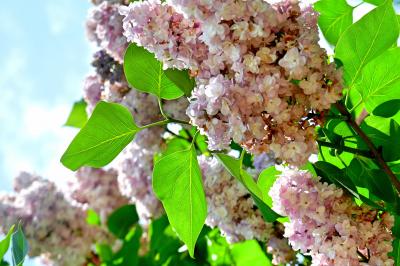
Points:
(55, 228)
(262, 79)
(230, 206)
(327, 224)
(97, 189)
(104, 26)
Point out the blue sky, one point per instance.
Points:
(44, 56)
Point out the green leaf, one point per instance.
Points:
(105, 252)
(92, 218)
(265, 181)
(128, 254)
(182, 79)
(19, 247)
(387, 109)
(110, 128)
(375, 2)
(78, 116)
(249, 253)
(5, 243)
(335, 17)
(145, 73)
(234, 167)
(164, 242)
(375, 180)
(177, 182)
(396, 251)
(380, 80)
(386, 135)
(366, 39)
(336, 176)
(121, 221)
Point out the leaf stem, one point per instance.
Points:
(170, 119)
(375, 152)
(164, 122)
(160, 104)
(346, 149)
(158, 123)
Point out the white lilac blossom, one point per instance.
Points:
(104, 26)
(327, 224)
(262, 79)
(230, 206)
(97, 189)
(55, 228)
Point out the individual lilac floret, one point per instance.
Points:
(104, 26)
(327, 224)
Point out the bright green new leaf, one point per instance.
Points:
(335, 17)
(5, 243)
(182, 79)
(265, 181)
(121, 221)
(92, 218)
(177, 182)
(380, 80)
(78, 116)
(366, 39)
(110, 128)
(19, 247)
(249, 253)
(145, 73)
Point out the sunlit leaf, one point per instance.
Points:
(177, 183)
(145, 73)
(110, 128)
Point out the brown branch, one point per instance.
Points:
(376, 154)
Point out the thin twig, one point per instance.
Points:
(376, 154)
